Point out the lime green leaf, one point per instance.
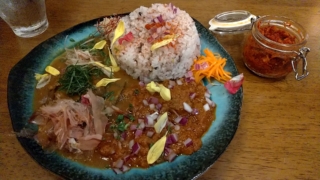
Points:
(156, 150)
(51, 70)
(118, 32)
(161, 122)
(100, 44)
(106, 81)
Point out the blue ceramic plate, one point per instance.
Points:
(21, 84)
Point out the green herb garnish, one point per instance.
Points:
(136, 92)
(78, 78)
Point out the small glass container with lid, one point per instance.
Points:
(273, 48)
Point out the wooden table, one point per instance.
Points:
(279, 132)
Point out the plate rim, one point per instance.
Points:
(93, 21)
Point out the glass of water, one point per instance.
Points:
(27, 18)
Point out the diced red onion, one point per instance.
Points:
(172, 83)
(183, 121)
(170, 124)
(174, 137)
(197, 66)
(192, 95)
(189, 74)
(149, 121)
(169, 141)
(167, 151)
(172, 156)
(150, 133)
(175, 10)
(158, 106)
(131, 142)
(160, 18)
(177, 127)
(179, 82)
(195, 111)
(211, 103)
(126, 158)
(145, 102)
(141, 84)
(207, 95)
(124, 135)
(133, 127)
(117, 171)
(204, 65)
(177, 119)
(156, 20)
(141, 126)
(152, 106)
(206, 107)
(189, 79)
(188, 142)
(153, 100)
(138, 133)
(140, 120)
(125, 168)
(118, 163)
(135, 148)
(187, 107)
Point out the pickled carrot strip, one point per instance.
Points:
(214, 67)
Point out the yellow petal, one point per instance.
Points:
(51, 70)
(156, 150)
(105, 81)
(43, 79)
(165, 93)
(169, 36)
(100, 44)
(39, 76)
(118, 32)
(161, 43)
(103, 66)
(161, 122)
(113, 61)
(152, 87)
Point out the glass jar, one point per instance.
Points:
(274, 47)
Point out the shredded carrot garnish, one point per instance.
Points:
(210, 65)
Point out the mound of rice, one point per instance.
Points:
(171, 61)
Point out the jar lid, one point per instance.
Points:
(232, 22)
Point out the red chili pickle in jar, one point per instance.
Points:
(272, 45)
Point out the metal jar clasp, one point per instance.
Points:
(302, 54)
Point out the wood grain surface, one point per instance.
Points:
(279, 131)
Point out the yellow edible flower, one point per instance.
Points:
(100, 44)
(118, 32)
(51, 70)
(106, 81)
(165, 93)
(42, 79)
(161, 122)
(152, 87)
(156, 150)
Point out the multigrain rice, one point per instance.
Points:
(171, 61)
